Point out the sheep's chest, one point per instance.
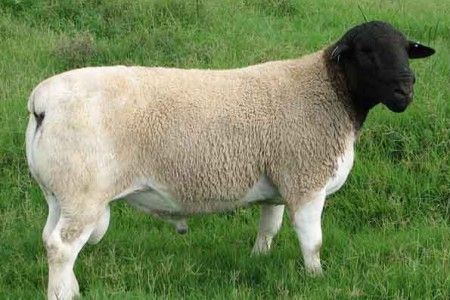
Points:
(344, 166)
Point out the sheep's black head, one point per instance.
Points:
(374, 57)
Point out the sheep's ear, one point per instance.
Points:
(416, 50)
(340, 49)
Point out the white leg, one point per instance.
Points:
(307, 224)
(100, 228)
(270, 223)
(63, 246)
(73, 229)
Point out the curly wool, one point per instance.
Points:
(207, 136)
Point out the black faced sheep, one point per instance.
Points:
(179, 142)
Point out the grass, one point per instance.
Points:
(386, 233)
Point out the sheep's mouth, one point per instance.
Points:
(398, 104)
(400, 97)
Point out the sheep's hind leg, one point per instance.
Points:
(72, 231)
(307, 223)
(270, 223)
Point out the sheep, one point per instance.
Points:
(176, 142)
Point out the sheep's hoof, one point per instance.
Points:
(262, 246)
(58, 290)
(314, 271)
(183, 230)
(259, 252)
(181, 227)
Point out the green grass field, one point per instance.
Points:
(386, 232)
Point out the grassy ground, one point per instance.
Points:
(386, 233)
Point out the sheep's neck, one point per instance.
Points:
(338, 80)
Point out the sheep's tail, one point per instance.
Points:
(36, 120)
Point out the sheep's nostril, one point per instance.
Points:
(400, 92)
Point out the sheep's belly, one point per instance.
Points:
(154, 202)
(152, 198)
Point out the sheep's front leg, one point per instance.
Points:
(270, 223)
(307, 224)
